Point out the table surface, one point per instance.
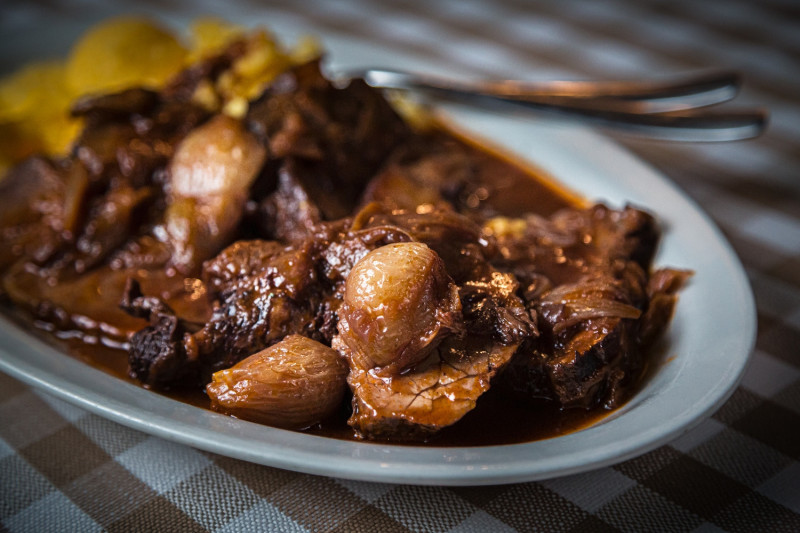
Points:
(63, 469)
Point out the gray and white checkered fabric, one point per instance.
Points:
(63, 469)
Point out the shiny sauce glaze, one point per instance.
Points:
(509, 189)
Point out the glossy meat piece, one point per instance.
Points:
(277, 298)
(289, 214)
(86, 306)
(437, 170)
(430, 171)
(584, 273)
(415, 405)
(591, 328)
(339, 137)
(157, 357)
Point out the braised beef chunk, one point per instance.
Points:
(277, 298)
(574, 242)
(436, 170)
(104, 108)
(492, 308)
(586, 276)
(339, 137)
(157, 357)
(433, 171)
(414, 406)
(290, 214)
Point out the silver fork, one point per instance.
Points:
(671, 110)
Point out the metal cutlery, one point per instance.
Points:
(672, 110)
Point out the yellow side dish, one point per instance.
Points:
(122, 53)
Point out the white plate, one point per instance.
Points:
(707, 345)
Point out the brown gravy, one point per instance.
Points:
(496, 420)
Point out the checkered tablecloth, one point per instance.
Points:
(63, 469)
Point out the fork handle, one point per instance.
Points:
(689, 92)
(676, 126)
(617, 113)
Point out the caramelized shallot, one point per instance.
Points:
(399, 303)
(293, 384)
(210, 177)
